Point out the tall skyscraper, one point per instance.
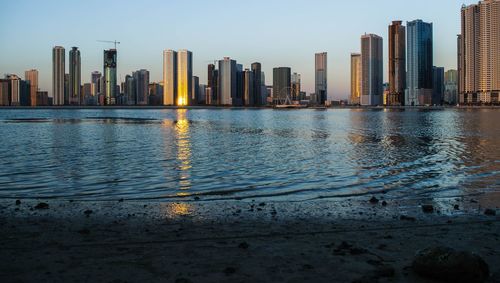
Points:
(257, 83)
(32, 77)
(419, 63)
(110, 80)
(248, 88)
(227, 81)
(397, 63)
(437, 85)
(211, 91)
(195, 92)
(95, 79)
(321, 75)
(75, 77)
(479, 55)
(141, 84)
(15, 89)
(371, 69)
(184, 77)
(4, 92)
(451, 87)
(58, 72)
(281, 84)
(129, 90)
(169, 77)
(355, 97)
(295, 84)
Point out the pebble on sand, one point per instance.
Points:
(42, 205)
(448, 265)
(427, 208)
(374, 200)
(18, 202)
(490, 212)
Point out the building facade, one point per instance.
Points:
(451, 87)
(75, 77)
(419, 63)
(397, 64)
(141, 84)
(110, 79)
(169, 77)
(355, 97)
(321, 77)
(257, 84)
(437, 85)
(227, 87)
(58, 73)
(371, 69)
(31, 76)
(282, 78)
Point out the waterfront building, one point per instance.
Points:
(258, 82)
(437, 85)
(75, 77)
(419, 63)
(479, 53)
(451, 87)
(110, 79)
(355, 97)
(371, 69)
(281, 84)
(58, 75)
(397, 63)
(31, 76)
(249, 97)
(141, 84)
(295, 85)
(227, 87)
(321, 76)
(169, 77)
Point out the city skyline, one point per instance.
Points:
(134, 54)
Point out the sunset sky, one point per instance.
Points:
(275, 33)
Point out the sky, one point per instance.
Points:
(274, 32)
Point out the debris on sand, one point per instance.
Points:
(42, 205)
(18, 202)
(490, 212)
(407, 218)
(427, 208)
(373, 200)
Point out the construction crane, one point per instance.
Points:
(109, 41)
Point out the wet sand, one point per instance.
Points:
(235, 241)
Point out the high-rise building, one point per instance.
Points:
(32, 77)
(451, 87)
(110, 79)
(14, 89)
(248, 88)
(371, 69)
(281, 84)
(129, 90)
(227, 81)
(195, 92)
(321, 75)
(4, 92)
(257, 84)
(212, 82)
(397, 63)
(58, 72)
(419, 63)
(355, 97)
(184, 77)
(141, 83)
(479, 55)
(75, 77)
(66, 89)
(169, 77)
(295, 84)
(95, 80)
(437, 85)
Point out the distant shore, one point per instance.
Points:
(201, 107)
(351, 240)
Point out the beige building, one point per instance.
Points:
(355, 78)
(32, 77)
(479, 53)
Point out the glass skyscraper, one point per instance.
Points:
(419, 63)
(58, 72)
(397, 63)
(371, 69)
(321, 75)
(75, 77)
(282, 77)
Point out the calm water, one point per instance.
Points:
(233, 154)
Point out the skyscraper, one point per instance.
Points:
(212, 82)
(184, 77)
(58, 72)
(129, 90)
(15, 89)
(195, 92)
(75, 77)
(371, 69)
(32, 77)
(141, 83)
(110, 87)
(397, 63)
(295, 84)
(4, 92)
(451, 87)
(419, 63)
(95, 79)
(321, 86)
(169, 77)
(281, 84)
(437, 85)
(248, 88)
(227, 81)
(355, 97)
(479, 55)
(257, 83)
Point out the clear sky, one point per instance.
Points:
(273, 32)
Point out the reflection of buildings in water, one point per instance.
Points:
(177, 144)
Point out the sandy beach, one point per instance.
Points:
(348, 240)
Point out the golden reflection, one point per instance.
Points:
(183, 148)
(178, 209)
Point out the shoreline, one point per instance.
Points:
(205, 107)
(350, 240)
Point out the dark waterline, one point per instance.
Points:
(106, 154)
